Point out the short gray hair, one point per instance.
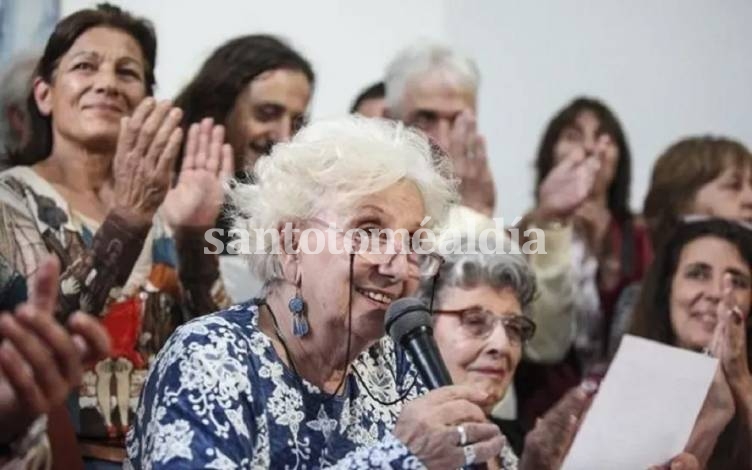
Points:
(427, 58)
(332, 164)
(15, 87)
(498, 268)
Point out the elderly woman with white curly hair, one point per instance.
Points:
(304, 377)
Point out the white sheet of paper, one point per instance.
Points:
(645, 408)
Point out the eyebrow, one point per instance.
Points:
(433, 114)
(270, 104)
(732, 173)
(97, 55)
(701, 264)
(372, 207)
(736, 272)
(507, 313)
(384, 214)
(707, 267)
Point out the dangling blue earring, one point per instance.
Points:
(297, 308)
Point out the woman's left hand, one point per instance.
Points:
(196, 199)
(729, 342)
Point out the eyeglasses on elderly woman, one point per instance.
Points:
(479, 323)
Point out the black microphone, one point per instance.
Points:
(408, 323)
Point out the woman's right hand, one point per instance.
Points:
(566, 186)
(428, 426)
(148, 144)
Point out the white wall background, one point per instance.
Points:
(669, 68)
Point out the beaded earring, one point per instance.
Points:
(297, 308)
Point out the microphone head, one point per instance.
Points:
(404, 316)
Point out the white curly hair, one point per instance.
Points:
(333, 165)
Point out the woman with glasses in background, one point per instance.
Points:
(480, 304)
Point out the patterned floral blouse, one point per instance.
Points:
(142, 282)
(219, 396)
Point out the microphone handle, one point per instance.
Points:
(425, 355)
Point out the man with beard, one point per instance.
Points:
(259, 88)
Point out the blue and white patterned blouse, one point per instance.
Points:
(219, 396)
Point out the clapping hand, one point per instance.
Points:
(41, 361)
(196, 199)
(729, 341)
(147, 146)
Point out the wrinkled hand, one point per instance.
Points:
(197, 198)
(467, 150)
(567, 186)
(148, 143)
(41, 361)
(428, 427)
(547, 444)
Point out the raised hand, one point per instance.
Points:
(467, 150)
(41, 361)
(148, 144)
(567, 186)
(428, 427)
(197, 198)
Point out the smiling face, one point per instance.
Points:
(697, 285)
(485, 363)
(100, 79)
(270, 109)
(325, 276)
